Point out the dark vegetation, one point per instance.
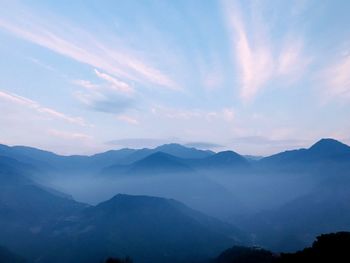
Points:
(119, 260)
(327, 248)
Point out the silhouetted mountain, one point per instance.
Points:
(329, 148)
(325, 149)
(176, 150)
(52, 162)
(325, 157)
(27, 209)
(327, 248)
(181, 151)
(150, 229)
(159, 162)
(238, 254)
(292, 226)
(155, 163)
(226, 159)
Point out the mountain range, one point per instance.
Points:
(279, 202)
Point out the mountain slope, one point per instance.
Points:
(325, 149)
(159, 162)
(150, 229)
(228, 159)
(324, 158)
(293, 225)
(28, 210)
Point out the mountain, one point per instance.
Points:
(293, 225)
(159, 162)
(181, 151)
(238, 254)
(150, 229)
(28, 210)
(225, 159)
(153, 164)
(333, 247)
(327, 156)
(329, 149)
(48, 161)
(46, 226)
(173, 149)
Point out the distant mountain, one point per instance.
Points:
(48, 161)
(150, 229)
(324, 149)
(293, 225)
(184, 152)
(326, 156)
(173, 149)
(226, 160)
(329, 148)
(153, 164)
(159, 162)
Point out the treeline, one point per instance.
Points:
(332, 248)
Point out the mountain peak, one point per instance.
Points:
(160, 162)
(330, 146)
(179, 150)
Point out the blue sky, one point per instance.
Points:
(253, 76)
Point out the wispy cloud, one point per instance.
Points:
(104, 102)
(84, 47)
(225, 114)
(33, 105)
(255, 55)
(141, 142)
(112, 96)
(69, 135)
(114, 83)
(128, 119)
(335, 79)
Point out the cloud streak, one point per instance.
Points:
(336, 79)
(255, 56)
(31, 104)
(115, 84)
(83, 47)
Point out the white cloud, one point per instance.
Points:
(84, 47)
(225, 114)
(128, 119)
(255, 54)
(28, 103)
(69, 135)
(115, 84)
(335, 79)
(85, 84)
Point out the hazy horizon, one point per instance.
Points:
(252, 76)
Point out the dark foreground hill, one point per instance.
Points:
(150, 229)
(332, 248)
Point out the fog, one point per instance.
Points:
(223, 194)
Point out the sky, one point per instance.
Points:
(256, 77)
